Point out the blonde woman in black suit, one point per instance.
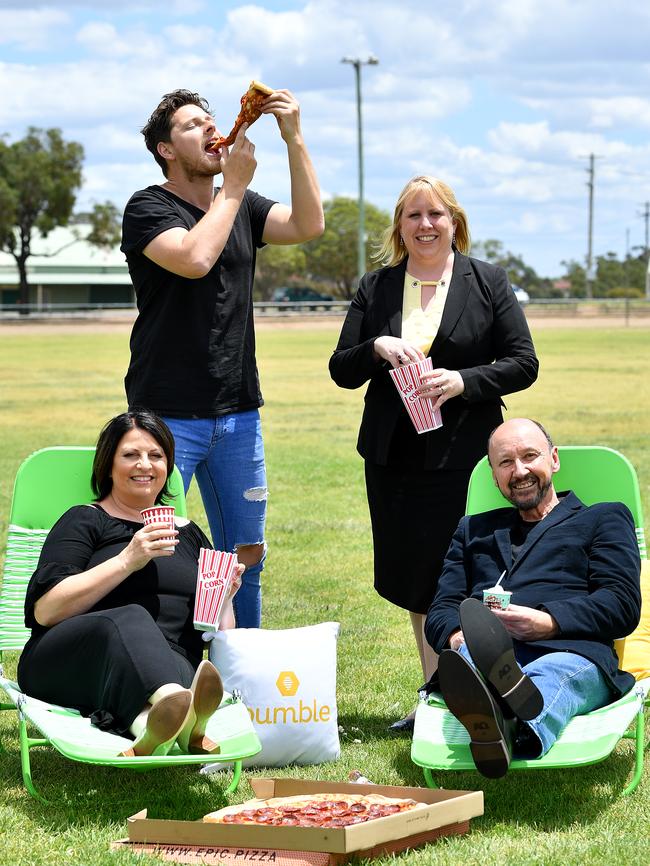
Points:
(431, 299)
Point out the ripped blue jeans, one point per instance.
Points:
(226, 454)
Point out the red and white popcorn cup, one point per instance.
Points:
(420, 409)
(160, 514)
(214, 581)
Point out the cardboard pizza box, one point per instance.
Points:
(206, 854)
(447, 812)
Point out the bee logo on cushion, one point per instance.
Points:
(287, 684)
(290, 713)
(287, 679)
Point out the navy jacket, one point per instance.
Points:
(483, 334)
(581, 564)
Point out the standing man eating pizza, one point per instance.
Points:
(191, 253)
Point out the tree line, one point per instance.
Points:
(330, 262)
(41, 174)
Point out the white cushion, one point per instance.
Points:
(287, 679)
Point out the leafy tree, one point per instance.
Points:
(577, 276)
(621, 279)
(614, 278)
(105, 229)
(333, 256)
(39, 179)
(519, 273)
(278, 266)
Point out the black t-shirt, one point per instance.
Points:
(519, 534)
(85, 536)
(193, 343)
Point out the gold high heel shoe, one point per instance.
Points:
(165, 721)
(207, 692)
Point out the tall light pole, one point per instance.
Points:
(646, 248)
(358, 62)
(590, 230)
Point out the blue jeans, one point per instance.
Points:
(226, 454)
(570, 685)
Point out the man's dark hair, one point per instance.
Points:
(158, 127)
(532, 421)
(111, 436)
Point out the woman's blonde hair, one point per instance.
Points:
(392, 251)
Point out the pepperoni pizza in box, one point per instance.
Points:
(316, 810)
(303, 815)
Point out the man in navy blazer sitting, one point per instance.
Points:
(515, 677)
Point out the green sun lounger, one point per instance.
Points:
(440, 742)
(48, 483)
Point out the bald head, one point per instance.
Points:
(518, 427)
(524, 460)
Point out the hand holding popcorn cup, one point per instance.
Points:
(160, 514)
(420, 409)
(218, 579)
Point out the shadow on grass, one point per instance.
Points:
(545, 800)
(542, 799)
(372, 724)
(96, 796)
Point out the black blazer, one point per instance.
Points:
(581, 564)
(483, 334)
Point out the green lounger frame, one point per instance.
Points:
(48, 483)
(440, 742)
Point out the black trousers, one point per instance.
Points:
(105, 664)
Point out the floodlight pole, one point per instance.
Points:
(646, 248)
(357, 63)
(590, 266)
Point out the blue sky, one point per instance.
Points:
(503, 100)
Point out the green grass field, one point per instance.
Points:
(60, 388)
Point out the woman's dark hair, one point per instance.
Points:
(158, 127)
(111, 436)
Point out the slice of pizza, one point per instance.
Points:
(315, 810)
(250, 110)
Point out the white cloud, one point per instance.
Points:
(503, 100)
(111, 139)
(538, 140)
(31, 30)
(175, 7)
(101, 38)
(116, 181)
(611, 112)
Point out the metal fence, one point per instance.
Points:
(589, 307)
(582, 308)
(70, 311)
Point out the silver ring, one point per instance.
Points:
(443, 388)
(401, 358)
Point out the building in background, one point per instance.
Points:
(65, 269)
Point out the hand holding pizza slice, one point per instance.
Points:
(251, 109)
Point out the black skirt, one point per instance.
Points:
(414, 513)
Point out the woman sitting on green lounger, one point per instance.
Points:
(111, 605)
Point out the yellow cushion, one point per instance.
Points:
(634, 650)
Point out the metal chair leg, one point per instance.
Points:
(429, 778)
(26, 743)
(639, 743)
(236, 774)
